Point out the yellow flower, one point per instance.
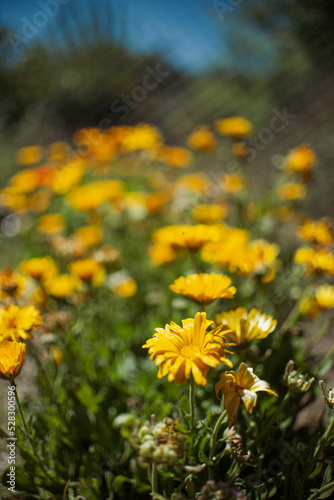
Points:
(161, 254)
(11, 284)
(39, 268)
(126, 289)
(198, 183)
(204, 288)
(62, 285)
(29, 155)
(318, 232)
(232, 183)
(292, 191)
(89, 235)
(67, 177)
(315, 261)
(188, 350)
(142, 136)
(187, 236)
(235, 126)
(208, 214)
(324, 295)
(17, 323)
(93, 195)
(246, 327)
(175, 156)
(243, 385)
(202, 139)
(88, 270)
(50, 224)
(25, 181)
(58, 151)
(56, 354)
(240, 149)
(11, 358)
(300, 161)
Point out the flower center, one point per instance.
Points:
(189, 351)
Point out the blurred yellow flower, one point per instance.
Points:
(324, 295)
(25, 181)
(315, 261)
(17, 323)
(208, 214)
(126, 288)
(241, 386)
(62, 285)
(232, 183)
(58, 151)
(68, 176)
(300, 161)
(204, 288)
(292, 191)
(56, 354)
(141, 136)
(198, 183)
(50, 224)
(29, 155)
(175, 156)
(89, 235)
(235, 126)
(88, 270)
(12, 284)
(39, 268)
(240, 149)
(186, 236)
(202, 139)
(245, 327)
(91, 196)
(188, 350)
(11, 358)
(161, 254)
(318, 232)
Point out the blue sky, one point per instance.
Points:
(187, 33)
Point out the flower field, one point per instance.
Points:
(161, 312)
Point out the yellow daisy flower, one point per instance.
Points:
(208, 214)
(187, 236)
(17, 323)
(62, 285)
(300, 161)
(188, 350)
(204, 288)
(39, 268)
(324, 295)
(318, 232)
(50, 224)
(88, 270)
(241, 386)
(202, 139)
(292, 191)
(232, 183)
(246, 327)
(11, 358)
(315, 262)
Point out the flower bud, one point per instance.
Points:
(328, 394)
(295, 379)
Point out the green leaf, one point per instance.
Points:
(326, 493)
(316, 471)
(327, 476)
(120, 482)
(203, 458)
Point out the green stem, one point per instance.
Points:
(43, 372)
(154, 479)
(322, 490)
(36, 456)
(215, 434)
(192, 403)
(3, 433)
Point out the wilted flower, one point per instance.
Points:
(188, 350)
(11, 358)
(295, 379)
(328, 394)
(12, 284)
(246, 327)
(204, 288)
(241, 386)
